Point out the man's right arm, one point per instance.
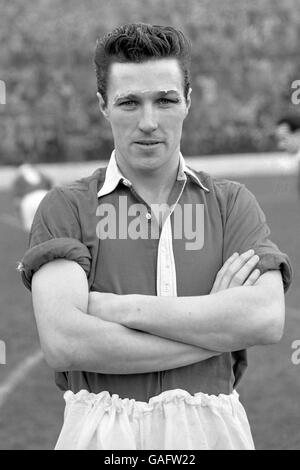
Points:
(73, 340)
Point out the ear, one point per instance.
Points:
(102, 105)
(188, 100)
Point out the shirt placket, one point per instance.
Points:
(166, 282)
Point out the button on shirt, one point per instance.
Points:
(157, 259)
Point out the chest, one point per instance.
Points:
(148, 261)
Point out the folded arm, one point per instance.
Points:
(236, 315)
(225, 321)
(73, 340)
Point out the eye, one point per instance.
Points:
(128, 103)
(167, 101)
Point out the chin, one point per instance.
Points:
(147, 159)
(148, 165)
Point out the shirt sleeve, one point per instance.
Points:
(246, 228)
(55, 233)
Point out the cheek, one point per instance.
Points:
(122, 123)
(174, 122)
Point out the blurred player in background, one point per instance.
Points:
(29, 188)
(288, 138)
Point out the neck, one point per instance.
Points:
(153, 185)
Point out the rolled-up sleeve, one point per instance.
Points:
(246, 228)
(55, 233)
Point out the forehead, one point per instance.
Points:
(151, 76)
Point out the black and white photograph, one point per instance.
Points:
(149, 227)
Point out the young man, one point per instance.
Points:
(288, 137)
(150, 280)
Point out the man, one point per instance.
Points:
(29, 188)
(147, 329)
(288, 137)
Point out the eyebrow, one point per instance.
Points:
(133, 95)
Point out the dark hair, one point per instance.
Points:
(291, 120)
(139, 42)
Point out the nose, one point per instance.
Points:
(148, 119)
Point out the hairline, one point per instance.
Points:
(115, 60)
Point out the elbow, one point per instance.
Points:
(57, 355)
(269, 311)
(272, 328)
(273, 333)
(58, 364)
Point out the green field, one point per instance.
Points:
(32, 415)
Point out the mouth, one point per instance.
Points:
(148, 143)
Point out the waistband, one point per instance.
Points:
(85, 398)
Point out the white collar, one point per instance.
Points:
(113, 176)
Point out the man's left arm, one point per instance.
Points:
(231, 319)
(228, 320)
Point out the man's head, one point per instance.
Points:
(143, 84)
(139, 42)
(288, 133)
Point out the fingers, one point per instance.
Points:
(226, 265)
(243, 271)
(219, 278)
(241, 260)
(252, 278)
(230, 275)
(220, 275)
(236, 271)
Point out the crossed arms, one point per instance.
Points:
(125, 334)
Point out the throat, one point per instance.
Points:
(154, 195)
(155, 190)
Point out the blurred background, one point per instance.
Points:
(245, 59)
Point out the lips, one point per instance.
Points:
(147, 142)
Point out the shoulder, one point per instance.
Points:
(221, 188)
(88, 184)
(231, 197)
(77, 193)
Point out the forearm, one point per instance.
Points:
(96, 345)
(73, 339)
(226, 321)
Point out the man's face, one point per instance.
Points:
(146, 109)
(287, 140)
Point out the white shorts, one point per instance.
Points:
(173, 420)
(29, 205)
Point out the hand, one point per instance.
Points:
(237, 271)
